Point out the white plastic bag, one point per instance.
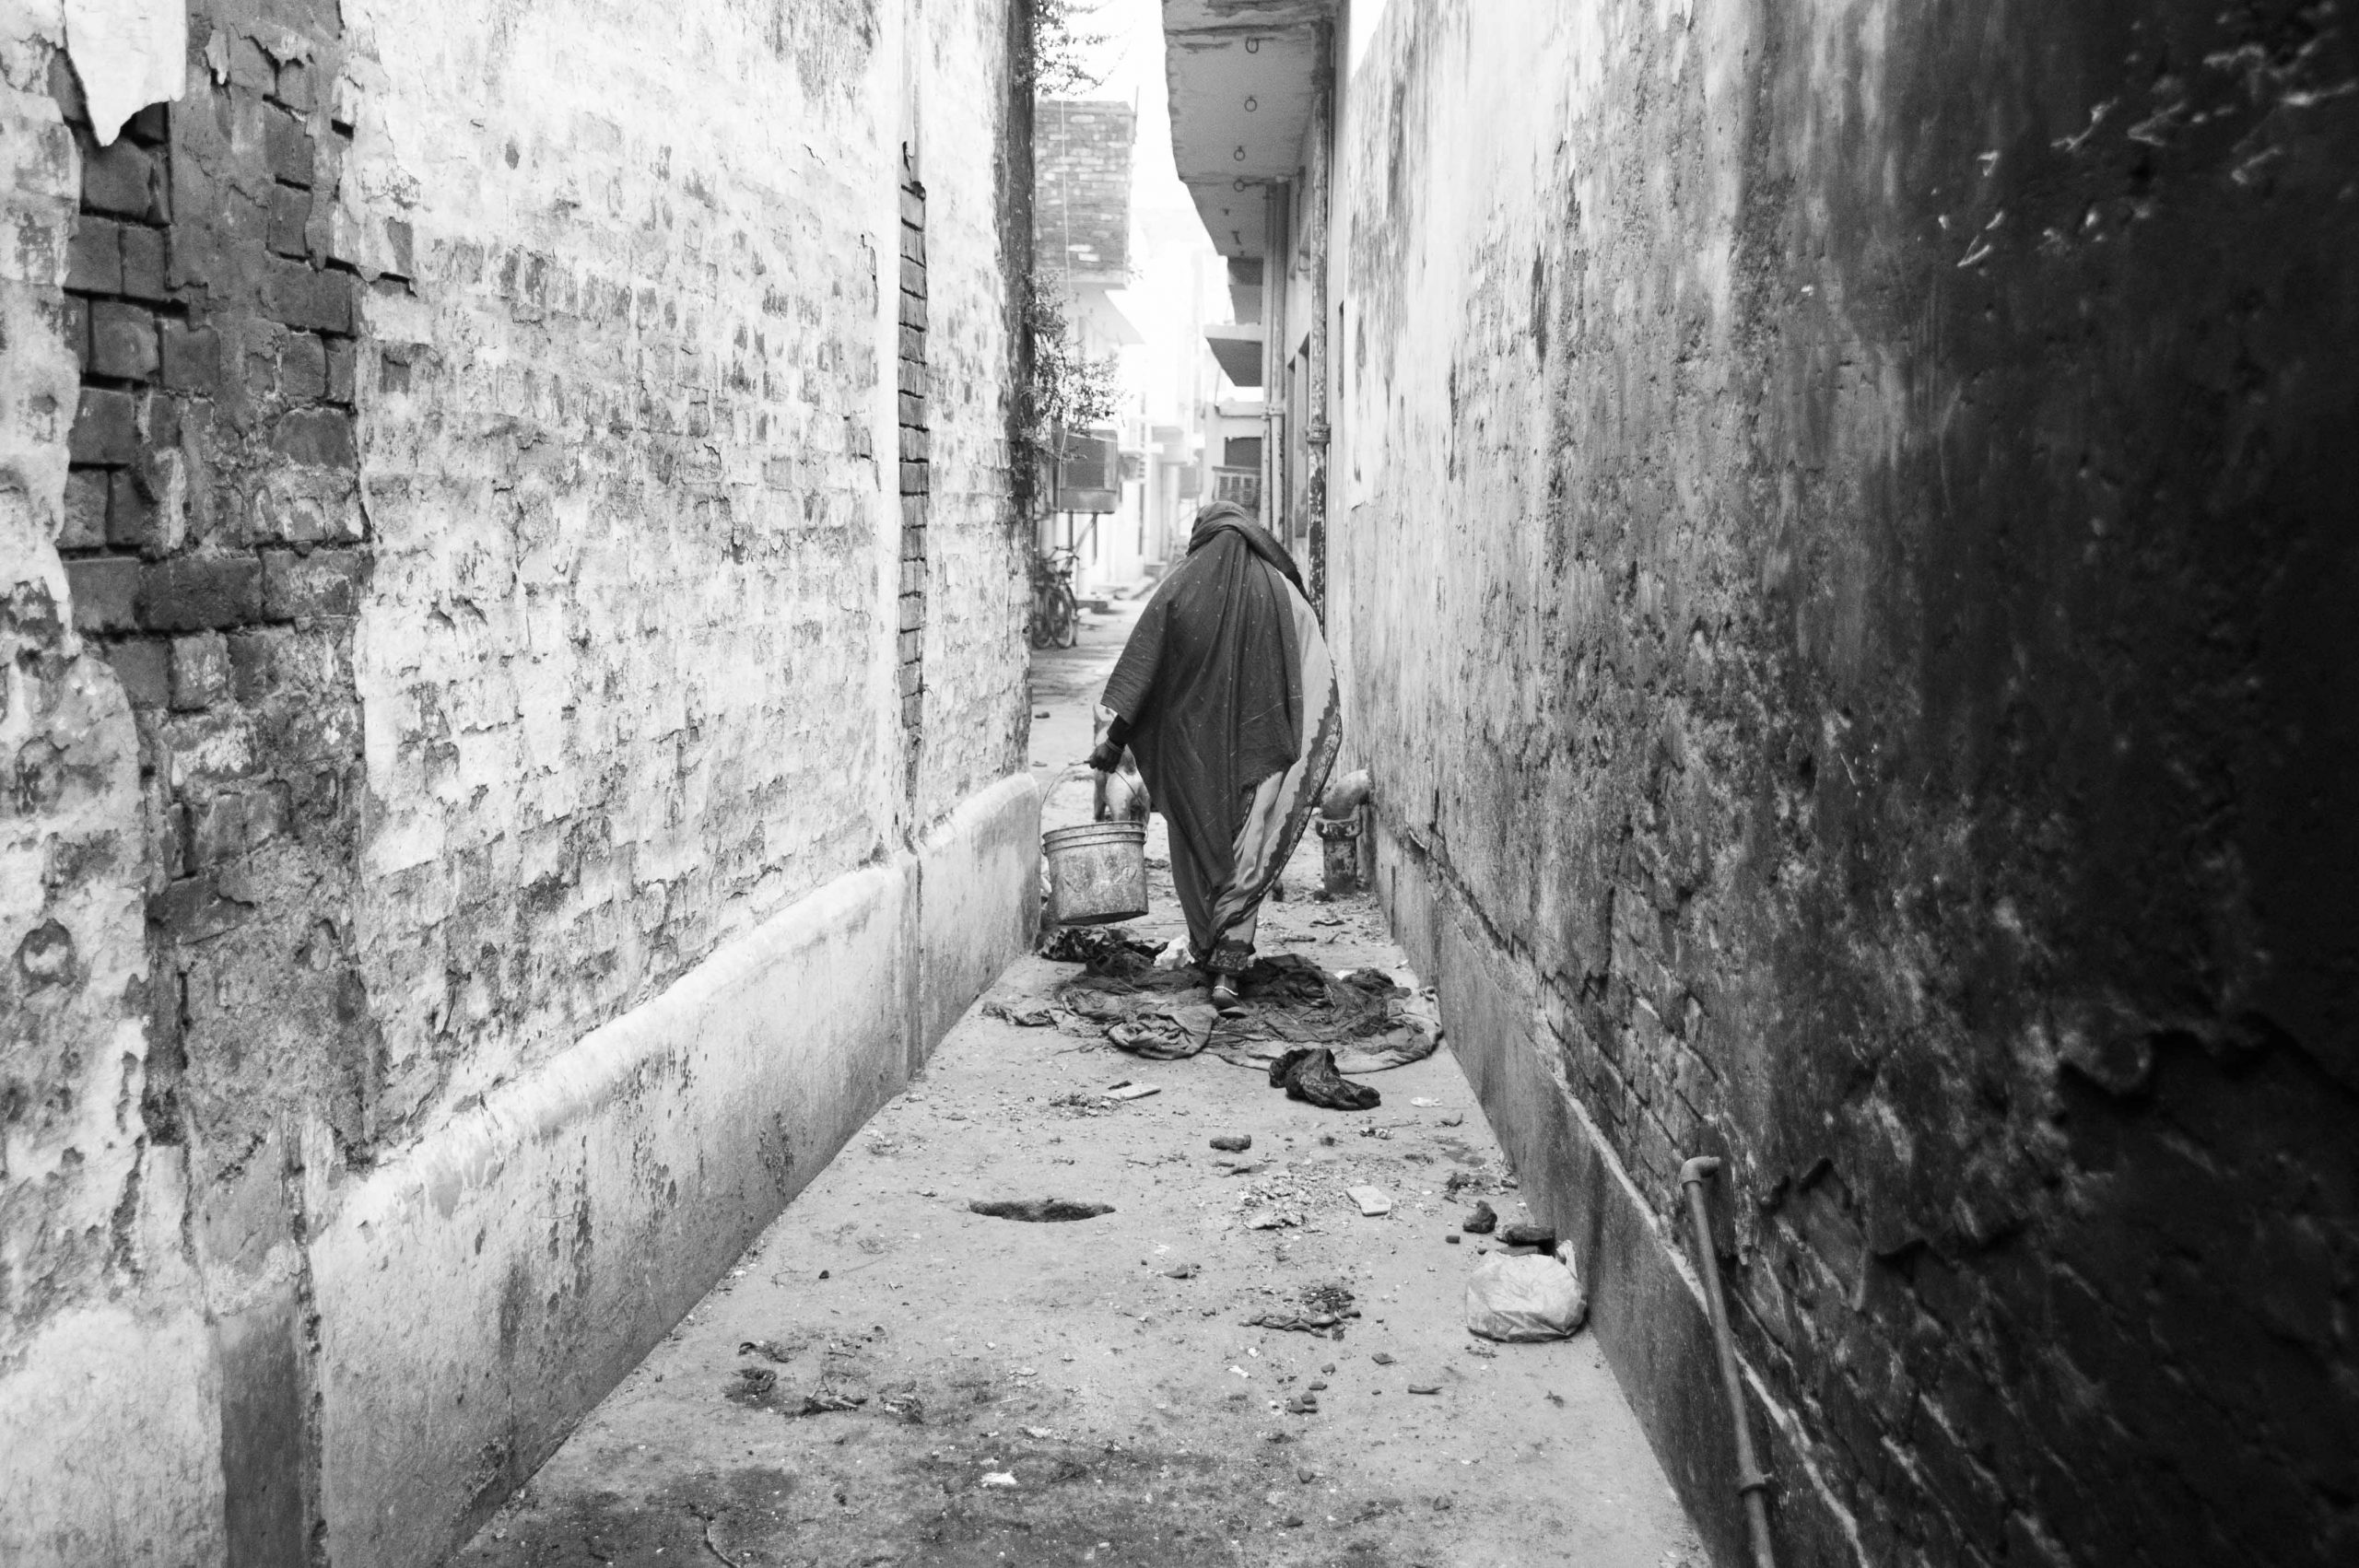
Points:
(1532, 1296)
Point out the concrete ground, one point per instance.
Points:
(887, 1378)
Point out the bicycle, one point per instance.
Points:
(1055, 620)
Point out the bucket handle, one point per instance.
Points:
(1072, 771)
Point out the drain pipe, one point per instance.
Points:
(1752, 1483)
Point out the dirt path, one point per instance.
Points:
(888, 1377)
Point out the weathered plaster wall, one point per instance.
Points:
(453, 621)
(622, 460)
(99, 1459)
(977, 168)
(1843, 517)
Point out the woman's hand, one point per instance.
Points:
(1107, 758)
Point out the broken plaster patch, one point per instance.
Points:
(129, 53)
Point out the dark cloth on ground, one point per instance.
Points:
(1308, 1073)
(1369, 1020)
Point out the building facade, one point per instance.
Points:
(515, 712)
(1830, 517)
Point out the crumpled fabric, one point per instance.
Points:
(1308, 1073)
(1367, 1019)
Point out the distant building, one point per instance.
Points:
(1081, 246)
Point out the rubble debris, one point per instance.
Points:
(1525, 1296)
(1451, 1237)
(1107, 949)
(1482, 1221)
(1297, 1322)
(1455, 1118)
(1373, 1203)
(1134, 1091)
(769, 1350)
(1330, 1297)
(997, 1478)
(1181, 1271)
(1233, 1143)
(825, 1403)
(1540, 1237)
(1425, 1388)
(1308, 1073)
(1038, 1210)
(754, 1386)
(1303, 1405)
(1382, 1358)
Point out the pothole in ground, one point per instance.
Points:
(1039, 1211)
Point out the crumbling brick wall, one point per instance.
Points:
(95, 1284)
(452, 591)
(1843, 517)
(621, 460)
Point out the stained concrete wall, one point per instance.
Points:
(1840, 528)
(102, 1460)
(456, 636)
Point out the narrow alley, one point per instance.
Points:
(1413, 783)
(886, 1376)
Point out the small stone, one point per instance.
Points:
(1372, 1201)
(1382, 1358)
(1482, 1223)
(1540, 1237)
(1425, 1388)
(1233, 1143)
(998, 1477)
(1453, 1120)
(1181, 1271)
(1451, 1238)
(1132, 1092)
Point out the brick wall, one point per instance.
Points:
(622, 456)
(1838, 512)
(453, 574)
(1082, 215)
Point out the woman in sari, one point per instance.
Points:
(1225, 697)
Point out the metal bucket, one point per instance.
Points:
(1339, 843)
(1097, 872)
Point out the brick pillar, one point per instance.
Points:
(219, 554)
(917, 482)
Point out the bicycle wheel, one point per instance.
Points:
(1065, 629)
